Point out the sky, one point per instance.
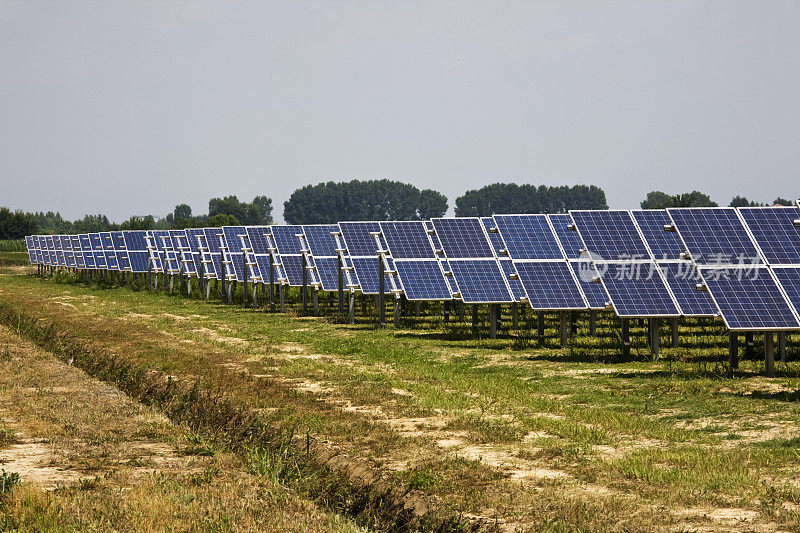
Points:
(128, 108)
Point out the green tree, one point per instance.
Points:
(741, 201)
(182, 211)
(509, 198)
(16, 224)
(330, 202)
(782, 201)
(257, 213)
(138, 223)
(222, 219)
(661, 200)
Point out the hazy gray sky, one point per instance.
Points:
(133, 107)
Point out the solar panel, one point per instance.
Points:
(99, 254)
(86, 249)
(323, 256)
(663, 244)
(494, 237)
(610, 235)
(118, 244)
(749, 298)
(595, 294)
(69, 254)
(550, 285)
(637, 289)
(407, 240)
(462, 238)
(789, 279)
(196, 237)
(237, 239)
(29, 248)
(480, 281)
(136, 244)
(213, 236)
(183, 252)
(108, 250)
(774, 232)
(286, 239)
(714, 236)
(682, 278)
(418, 268)
(362, 249)
(528, 237)
(258, 239)
(75, 241)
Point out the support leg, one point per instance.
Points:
(563, 328)
(675, 332)
(540, 320)
(626, 339)
(733, 351)
(592, 323)
(769, 354)
(493, 308)
(474, 319)
(654, 338)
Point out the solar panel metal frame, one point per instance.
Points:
(488, 259)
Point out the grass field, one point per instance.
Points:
(423, 426)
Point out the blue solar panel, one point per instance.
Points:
(94, 239)
(328, 273)
(357, 237)
(749, 299)
(183, 251)
(264, 267)
(789, 278)
(682, 278)
(423, 280)
(31, 251)
(286, 239)
(774, 232)
(637, 290)
(213, 236)
(293, 266)
(196, 237)
(517, 290)
(480, 281)
(714, 236)
(320, 241)
(118, 240)
(595, 294)
(233, 240)
(462, 238)
(367, 273)
(612, 235)
(258, 239)
(663, 244)
(528, 237)
(407, 240)
(550, 285)
(137, 250)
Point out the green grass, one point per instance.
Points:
(677, 433)
(13, 245)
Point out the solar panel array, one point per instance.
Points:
(746, 262)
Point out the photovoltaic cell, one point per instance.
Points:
(320, 241)
(528, 237)
(633, 293)
(774, 232)
(136, 245)
(480, 281)
(549, 285)
(749, 298)
(611, 235)
(714, 236)
(462, 238)
(663, 244)
(213, 243)
(196, 238)
(682, 278)
(494, 237)
(183, 251)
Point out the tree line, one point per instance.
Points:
(331, 202)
